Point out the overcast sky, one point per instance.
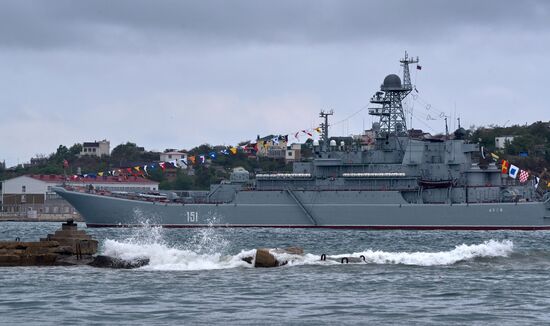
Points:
(176, 74)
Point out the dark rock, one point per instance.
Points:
(291, 250)
(265, 259)
(248, 259)
(113, 262)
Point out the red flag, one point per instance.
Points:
(162, 165)
(523, 176)
(505, 166)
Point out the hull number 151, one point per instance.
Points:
(192, 216)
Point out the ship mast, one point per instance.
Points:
(405, 62)
(388, 101)
(324, 128)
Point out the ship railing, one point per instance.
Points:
(373, 174)
(283, 188)
(279, 176)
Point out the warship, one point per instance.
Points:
(396, 182)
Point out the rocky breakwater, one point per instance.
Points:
(68, 246)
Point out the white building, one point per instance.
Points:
(500, 142)
(35, 191)
(170, 156)
(293, 153)
(96, 148)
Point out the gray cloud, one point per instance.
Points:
(174, 74)
(118, 24)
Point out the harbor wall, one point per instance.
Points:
(38, 217)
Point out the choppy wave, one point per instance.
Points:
(204, 251)
(463, 252)
(163, 257)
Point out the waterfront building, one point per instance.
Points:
(34, 192)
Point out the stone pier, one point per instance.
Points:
(67, 246)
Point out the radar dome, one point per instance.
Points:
(391, 82)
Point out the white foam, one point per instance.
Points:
(165, 257)
(462, 252)
(162, 257)
(202, 251)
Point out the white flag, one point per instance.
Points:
(537, 180)
(513, 171)
(183, 160)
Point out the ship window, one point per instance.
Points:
(23, 188)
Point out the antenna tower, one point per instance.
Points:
(388, 100)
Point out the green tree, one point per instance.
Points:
(125, 153)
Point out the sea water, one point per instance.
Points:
(197, 276)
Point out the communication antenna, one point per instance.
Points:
(446, 129)
(324, 128)
(405, 62)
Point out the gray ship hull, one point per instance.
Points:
(308, 209)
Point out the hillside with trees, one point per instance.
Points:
(530, 148)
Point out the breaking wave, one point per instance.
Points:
(201, 251)
(487, 249)
(204, 251)
(162, 257)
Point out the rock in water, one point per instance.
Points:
(264, 257)
(290, 250)
(112, 262)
